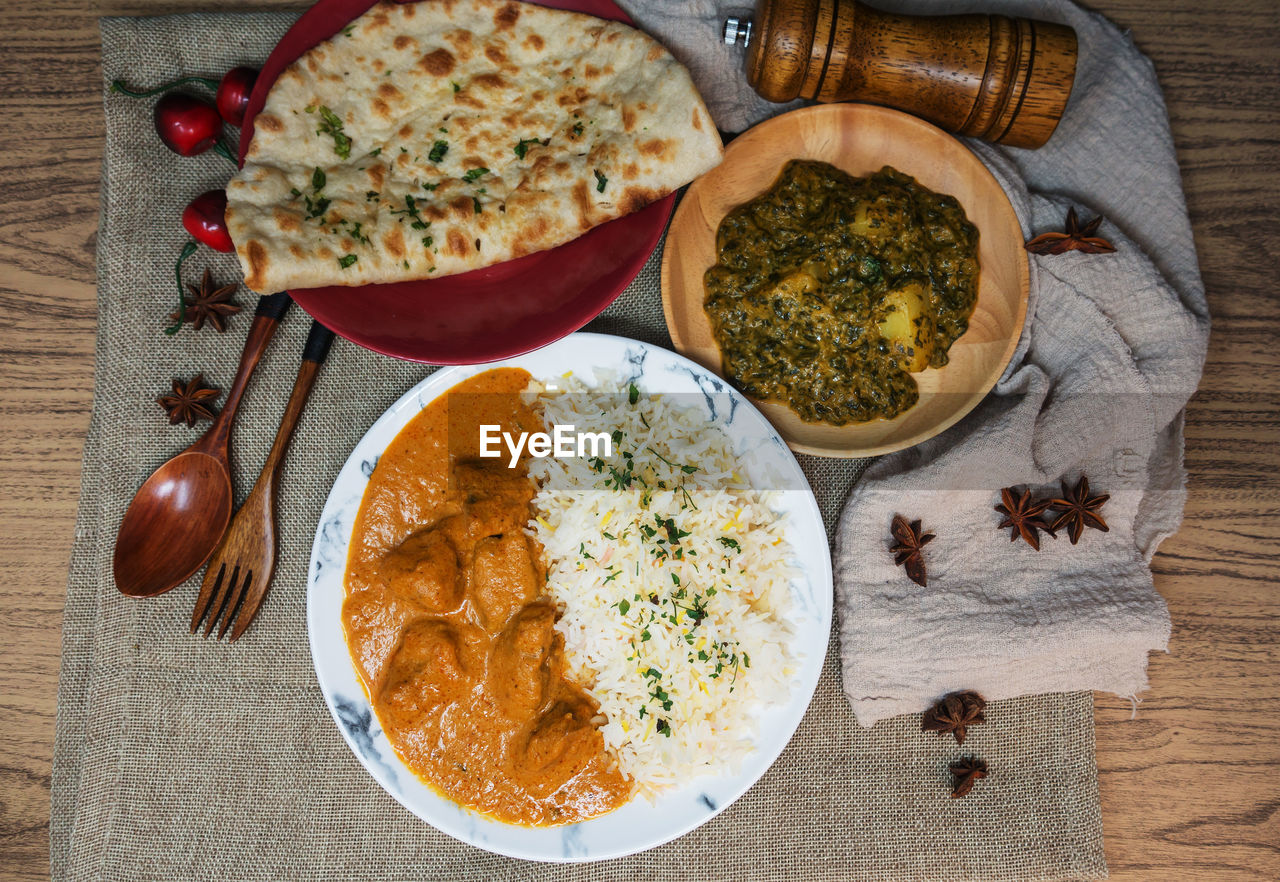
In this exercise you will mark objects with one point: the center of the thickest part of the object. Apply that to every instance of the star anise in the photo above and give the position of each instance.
(1079, 510)
(955, 713)
(966, 772)
(908, 552)
(1022, 514)
(189, 401)
(1076, 238)
(209, 303)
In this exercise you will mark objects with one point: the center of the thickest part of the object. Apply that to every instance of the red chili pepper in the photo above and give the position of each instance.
(233, 93)
(205, 219)
(189, 126)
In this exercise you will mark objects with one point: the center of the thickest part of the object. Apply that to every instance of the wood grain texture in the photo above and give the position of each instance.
(1190, 789)
(990, 76)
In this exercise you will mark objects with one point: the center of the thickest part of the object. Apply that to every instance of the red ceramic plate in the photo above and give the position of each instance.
(487, 314)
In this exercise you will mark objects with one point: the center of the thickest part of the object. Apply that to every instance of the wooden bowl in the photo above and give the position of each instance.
(859, 138)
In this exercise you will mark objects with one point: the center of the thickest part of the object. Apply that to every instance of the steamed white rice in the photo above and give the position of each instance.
(682, 642)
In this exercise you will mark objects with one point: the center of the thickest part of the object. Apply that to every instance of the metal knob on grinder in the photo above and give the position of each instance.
(1002, 79)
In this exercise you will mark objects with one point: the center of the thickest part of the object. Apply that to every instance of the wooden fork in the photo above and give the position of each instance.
(240, 569)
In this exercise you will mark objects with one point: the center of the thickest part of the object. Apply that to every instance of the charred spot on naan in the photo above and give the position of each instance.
(456, 243)
(584, 205)
(573, 97)
(394, 242)
(293, 76)
(473, 164)
(377, 174)
(287, 221)
(531, 237)
(462, 43)
(403, 42)
(268, 122)
(255, 256)
(656, 147)
(489, 81)
(438, 63)
(603, 155)
(462, 206)
(538, 173)
(635, 198)
(534, 43)
(497, 53)
(506, 17)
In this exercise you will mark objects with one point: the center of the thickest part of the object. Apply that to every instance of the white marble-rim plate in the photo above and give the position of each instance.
(638, 825)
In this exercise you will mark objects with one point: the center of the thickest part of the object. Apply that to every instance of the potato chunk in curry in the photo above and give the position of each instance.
(908, 326)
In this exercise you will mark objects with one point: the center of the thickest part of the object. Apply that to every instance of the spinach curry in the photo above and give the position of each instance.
(829, 290)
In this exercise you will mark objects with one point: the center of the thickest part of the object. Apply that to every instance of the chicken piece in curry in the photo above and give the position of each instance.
(450, 629)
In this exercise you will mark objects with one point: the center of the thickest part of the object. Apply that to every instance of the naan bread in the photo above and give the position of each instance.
(436, 137)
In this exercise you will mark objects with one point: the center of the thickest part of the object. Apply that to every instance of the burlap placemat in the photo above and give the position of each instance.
(182, 758)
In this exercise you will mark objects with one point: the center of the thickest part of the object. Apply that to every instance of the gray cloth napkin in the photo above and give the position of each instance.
(1111, 351)
(693, 31)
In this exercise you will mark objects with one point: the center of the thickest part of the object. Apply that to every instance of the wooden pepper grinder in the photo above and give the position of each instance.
(989, 76)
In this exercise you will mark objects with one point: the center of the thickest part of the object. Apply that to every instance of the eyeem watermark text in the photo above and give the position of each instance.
(562, 442)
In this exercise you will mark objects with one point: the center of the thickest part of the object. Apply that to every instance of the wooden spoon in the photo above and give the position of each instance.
(179, 515)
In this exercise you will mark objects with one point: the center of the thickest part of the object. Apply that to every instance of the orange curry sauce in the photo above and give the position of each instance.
(450, 629)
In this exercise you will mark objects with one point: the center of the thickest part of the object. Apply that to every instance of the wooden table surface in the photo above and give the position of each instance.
(1190, 789)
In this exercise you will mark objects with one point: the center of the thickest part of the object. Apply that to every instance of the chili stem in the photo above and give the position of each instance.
(187, 250)
(222, 150)
(119, 86)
